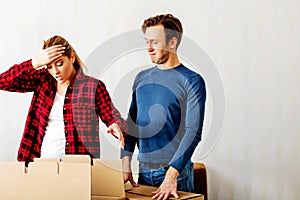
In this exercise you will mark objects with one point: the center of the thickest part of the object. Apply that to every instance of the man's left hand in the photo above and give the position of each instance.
(168, 186)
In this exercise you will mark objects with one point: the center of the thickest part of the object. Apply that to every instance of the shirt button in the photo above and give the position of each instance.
(66, 131)
(67, 143)
(64, 108)
(67, 97)
(65, 121)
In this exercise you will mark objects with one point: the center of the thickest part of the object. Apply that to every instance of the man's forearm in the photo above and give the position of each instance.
(172, 173)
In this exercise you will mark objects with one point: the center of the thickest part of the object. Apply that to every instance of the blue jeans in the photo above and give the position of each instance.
(154, 174)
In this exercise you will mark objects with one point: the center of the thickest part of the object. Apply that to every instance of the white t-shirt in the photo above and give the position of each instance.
(54, 142)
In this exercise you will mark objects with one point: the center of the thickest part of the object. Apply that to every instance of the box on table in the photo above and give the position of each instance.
(73, 178)
(144, 192)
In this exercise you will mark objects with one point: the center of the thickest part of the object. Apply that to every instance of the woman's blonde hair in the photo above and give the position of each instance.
(58, 40)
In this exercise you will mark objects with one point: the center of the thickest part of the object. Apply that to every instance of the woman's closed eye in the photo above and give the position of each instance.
(57, 64)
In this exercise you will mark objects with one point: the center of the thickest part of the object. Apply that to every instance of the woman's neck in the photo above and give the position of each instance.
(62, 88)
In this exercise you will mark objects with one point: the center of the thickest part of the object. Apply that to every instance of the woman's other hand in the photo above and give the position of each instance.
(115, 130)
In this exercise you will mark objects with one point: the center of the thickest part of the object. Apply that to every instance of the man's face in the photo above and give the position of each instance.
(158, 49)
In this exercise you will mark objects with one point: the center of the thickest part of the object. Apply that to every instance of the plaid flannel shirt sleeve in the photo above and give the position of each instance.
(108, 113)
(19, 78)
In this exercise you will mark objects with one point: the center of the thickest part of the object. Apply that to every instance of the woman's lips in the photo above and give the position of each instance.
(58, 78)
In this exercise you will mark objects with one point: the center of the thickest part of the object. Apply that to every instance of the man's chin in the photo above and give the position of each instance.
(154, 61)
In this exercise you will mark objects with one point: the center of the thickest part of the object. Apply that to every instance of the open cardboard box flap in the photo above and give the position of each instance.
(74, 178)
(107, 180)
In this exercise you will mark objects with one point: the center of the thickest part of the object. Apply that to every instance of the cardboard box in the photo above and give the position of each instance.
(144, 192)
(107, 180)
(45, 180)
(72, 179)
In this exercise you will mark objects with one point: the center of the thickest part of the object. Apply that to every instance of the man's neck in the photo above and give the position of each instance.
(172, 62)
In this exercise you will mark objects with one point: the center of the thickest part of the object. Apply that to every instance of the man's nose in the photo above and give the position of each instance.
(150, 48)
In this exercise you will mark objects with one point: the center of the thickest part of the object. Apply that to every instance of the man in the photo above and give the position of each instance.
(166, 113)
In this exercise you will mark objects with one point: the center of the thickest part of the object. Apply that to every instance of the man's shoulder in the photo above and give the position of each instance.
(145, 72)
(188, 73)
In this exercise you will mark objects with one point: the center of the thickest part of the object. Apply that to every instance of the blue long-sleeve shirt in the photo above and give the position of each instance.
(166, 116)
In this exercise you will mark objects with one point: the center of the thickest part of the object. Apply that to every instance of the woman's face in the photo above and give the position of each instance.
(62, 69)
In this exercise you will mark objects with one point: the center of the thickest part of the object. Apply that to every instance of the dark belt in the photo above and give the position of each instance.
(155, 165)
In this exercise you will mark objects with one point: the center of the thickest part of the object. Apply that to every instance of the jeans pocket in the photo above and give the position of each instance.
(185, 181)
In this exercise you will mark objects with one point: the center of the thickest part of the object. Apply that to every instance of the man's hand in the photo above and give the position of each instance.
(127, 173)
(168, 186)
(47, 55)
(115, 130)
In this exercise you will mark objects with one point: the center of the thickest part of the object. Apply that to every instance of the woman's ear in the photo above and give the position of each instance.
(73, 58)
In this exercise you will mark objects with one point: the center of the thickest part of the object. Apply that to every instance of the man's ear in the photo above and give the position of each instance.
(173, 42)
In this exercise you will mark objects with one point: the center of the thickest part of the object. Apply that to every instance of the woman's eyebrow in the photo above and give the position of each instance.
(59, 60)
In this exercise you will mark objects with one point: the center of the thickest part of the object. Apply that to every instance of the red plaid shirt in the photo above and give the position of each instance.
(86, 100)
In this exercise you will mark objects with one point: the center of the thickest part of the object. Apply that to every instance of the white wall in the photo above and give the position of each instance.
(254, 46)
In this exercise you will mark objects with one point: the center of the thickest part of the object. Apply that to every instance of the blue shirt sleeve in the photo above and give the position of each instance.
(130, 138)
(196, 96)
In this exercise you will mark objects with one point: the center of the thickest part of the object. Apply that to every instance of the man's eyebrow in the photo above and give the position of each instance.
(150, 40)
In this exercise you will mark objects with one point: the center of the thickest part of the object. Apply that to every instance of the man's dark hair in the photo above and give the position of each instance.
(171, 24)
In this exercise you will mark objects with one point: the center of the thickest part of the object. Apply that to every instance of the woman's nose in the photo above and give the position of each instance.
(55, 70)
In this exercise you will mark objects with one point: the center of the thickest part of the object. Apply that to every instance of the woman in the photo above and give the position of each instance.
(66, 105)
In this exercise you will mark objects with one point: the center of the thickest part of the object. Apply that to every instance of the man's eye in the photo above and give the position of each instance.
(49, 67)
